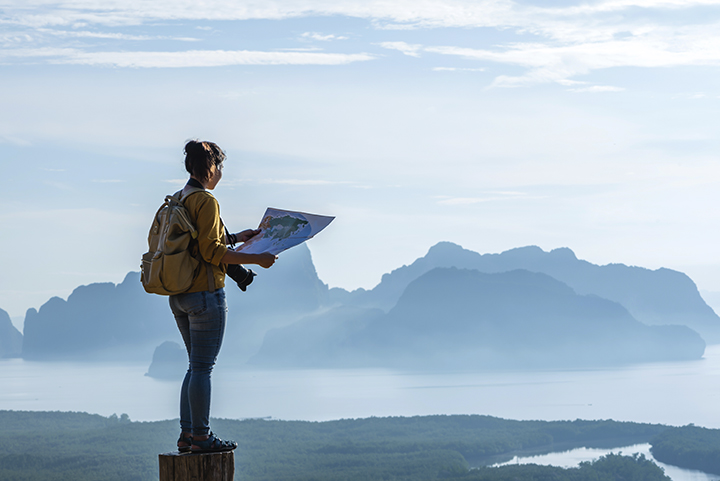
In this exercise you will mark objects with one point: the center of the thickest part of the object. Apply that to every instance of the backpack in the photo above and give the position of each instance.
(168, 267)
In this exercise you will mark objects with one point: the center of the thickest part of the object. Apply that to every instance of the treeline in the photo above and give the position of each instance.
(612, 467)
(690, 447)
(52, 446)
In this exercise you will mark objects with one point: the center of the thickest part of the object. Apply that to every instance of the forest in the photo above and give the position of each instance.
(689, 447)
(52, 446)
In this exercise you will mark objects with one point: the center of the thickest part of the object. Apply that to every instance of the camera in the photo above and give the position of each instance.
(239, 274)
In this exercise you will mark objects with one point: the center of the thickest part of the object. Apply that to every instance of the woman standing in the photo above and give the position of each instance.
(201, 311)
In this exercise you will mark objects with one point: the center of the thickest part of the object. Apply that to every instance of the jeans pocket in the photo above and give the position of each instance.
(196, 303)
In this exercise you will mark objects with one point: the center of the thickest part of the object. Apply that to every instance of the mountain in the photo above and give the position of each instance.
(10, 338)
(320, 340)
(122, 321)
(451, 318)
(169, 362)
(98, 320)
(655, 297)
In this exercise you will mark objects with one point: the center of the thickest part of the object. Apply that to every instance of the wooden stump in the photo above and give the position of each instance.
(177, 466)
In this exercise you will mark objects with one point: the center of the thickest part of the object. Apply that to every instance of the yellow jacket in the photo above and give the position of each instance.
(204, 211)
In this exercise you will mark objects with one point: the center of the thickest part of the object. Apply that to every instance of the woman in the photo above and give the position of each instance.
(201, 311)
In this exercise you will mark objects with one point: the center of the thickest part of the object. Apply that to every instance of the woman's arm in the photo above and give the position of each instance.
(263, 260)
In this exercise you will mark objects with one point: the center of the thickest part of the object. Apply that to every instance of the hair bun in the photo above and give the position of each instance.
(194, 147)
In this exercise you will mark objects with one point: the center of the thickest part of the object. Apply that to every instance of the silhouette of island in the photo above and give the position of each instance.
(655, 297)
(451, 308)
(169, 361)
(123, 322)
(453, 318)
(10, 338)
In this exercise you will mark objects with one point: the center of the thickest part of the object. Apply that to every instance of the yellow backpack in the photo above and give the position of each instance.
(168, 267)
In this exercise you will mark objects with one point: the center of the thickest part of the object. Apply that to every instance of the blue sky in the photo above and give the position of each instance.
(495, 124)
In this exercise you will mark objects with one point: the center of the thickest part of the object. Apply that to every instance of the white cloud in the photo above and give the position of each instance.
(567, 41)
(412, 50)
(419, 13)
(189, 58)
(321, 37)
(134, 12)
(87, 34)
(558, 63)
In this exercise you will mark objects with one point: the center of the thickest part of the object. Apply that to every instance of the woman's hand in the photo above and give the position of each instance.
(246, 235)
(266, 259)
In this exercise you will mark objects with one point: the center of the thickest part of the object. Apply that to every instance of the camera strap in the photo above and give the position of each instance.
(230, 237)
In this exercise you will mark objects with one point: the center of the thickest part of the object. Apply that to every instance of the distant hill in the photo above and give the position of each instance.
(458, 318)
(122, 321)
(10, 338)
(289, 317)
(170, 361)
(98, 320)
(655, 297)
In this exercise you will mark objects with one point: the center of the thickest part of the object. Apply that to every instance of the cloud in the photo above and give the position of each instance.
(400, 13)
(136, 12)
(111, 36)
(557, 63)
(412, 50)
(189, 58)
(562, 42)
(322, 38)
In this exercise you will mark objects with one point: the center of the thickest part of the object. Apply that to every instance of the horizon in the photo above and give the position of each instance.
(492, 125)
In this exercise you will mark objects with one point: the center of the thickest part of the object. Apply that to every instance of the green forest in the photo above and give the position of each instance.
(51, 446)
(690, 447)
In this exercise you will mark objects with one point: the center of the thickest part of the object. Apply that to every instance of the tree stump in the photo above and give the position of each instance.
(177, 466)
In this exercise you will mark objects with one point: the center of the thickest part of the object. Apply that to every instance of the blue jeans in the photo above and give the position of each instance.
(201, 317)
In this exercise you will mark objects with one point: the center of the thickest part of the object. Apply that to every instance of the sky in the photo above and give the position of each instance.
(491, 124)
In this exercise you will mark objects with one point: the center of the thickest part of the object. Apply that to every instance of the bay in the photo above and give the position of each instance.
(667, 393)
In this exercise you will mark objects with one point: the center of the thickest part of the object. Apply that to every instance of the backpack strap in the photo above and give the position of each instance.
(211, 277)
(181, 198)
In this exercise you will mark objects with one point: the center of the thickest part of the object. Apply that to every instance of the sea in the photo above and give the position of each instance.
(674, 393)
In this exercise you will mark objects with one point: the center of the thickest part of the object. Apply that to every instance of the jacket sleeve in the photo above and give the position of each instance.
(211, 232)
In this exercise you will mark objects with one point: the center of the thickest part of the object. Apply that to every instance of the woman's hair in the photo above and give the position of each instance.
(201, 156)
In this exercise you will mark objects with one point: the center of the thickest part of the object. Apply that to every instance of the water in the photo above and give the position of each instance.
(573, 458)
(667, 393)
(670, 393)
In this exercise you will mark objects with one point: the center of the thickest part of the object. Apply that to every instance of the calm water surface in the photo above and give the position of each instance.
(666, 393)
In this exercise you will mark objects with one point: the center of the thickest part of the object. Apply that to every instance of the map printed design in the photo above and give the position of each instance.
(283, 229)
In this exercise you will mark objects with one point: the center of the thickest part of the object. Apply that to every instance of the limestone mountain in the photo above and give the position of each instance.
(655, 297)
(10, 338)
(451, 318)
(122, 321)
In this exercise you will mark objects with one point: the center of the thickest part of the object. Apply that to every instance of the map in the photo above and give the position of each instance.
(283, 229)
